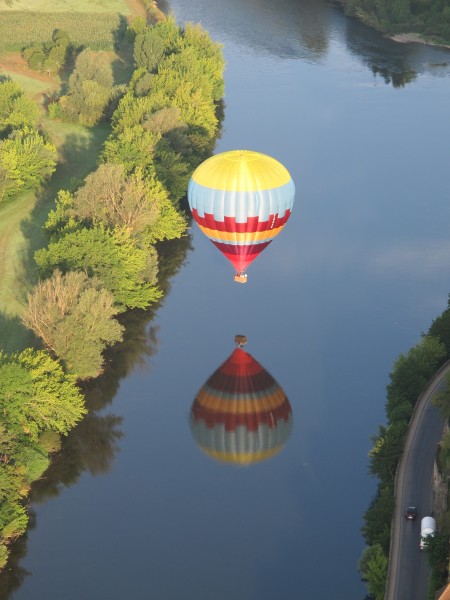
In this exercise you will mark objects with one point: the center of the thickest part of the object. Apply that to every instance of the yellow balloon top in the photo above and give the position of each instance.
(241, 171)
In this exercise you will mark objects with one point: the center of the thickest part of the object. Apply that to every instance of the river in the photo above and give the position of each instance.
(138, 506)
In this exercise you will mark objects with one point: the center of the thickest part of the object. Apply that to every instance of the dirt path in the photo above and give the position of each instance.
(15, 63)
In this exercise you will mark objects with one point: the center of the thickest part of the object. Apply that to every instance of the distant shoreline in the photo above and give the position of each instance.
(414, 38)
(401, 38)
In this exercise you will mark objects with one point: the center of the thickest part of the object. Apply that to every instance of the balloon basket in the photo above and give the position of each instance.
(240, 340)
(241, 278)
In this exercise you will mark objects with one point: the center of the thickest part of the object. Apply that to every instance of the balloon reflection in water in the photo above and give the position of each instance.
(241, 415)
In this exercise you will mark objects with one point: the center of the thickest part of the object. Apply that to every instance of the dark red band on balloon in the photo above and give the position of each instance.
(229, 224)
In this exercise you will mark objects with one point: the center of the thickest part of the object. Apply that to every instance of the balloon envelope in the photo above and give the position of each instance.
(241, 200)
(241, 415)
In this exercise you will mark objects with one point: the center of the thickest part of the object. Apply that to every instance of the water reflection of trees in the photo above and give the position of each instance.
(94, 443)
(396, 78)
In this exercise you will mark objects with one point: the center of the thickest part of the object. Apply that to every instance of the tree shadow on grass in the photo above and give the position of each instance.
(14, 336)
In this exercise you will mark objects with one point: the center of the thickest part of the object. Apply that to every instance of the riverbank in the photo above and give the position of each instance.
(414, 38)
(401, 38)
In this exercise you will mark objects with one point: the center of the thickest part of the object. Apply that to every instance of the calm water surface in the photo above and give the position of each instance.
(359, 272)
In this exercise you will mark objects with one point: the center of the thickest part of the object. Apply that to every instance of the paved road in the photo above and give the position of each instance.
(408, 567)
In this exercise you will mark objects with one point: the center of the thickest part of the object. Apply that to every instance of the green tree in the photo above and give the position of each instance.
(167, 123)
(387, 450)
(137, 25)
(411, 372)
(148, 49)
(437, 549)
(90, 89)
(7, 443)
(74, 317)
(134, 147)
(378, 518)
(26, 161)
(172, 171)
(13, 521)
(36, 395)
(440, 328)
(4, 553)
(16, 110)
(140, 205)
(109, 197)
(373, 567)
(127, 271)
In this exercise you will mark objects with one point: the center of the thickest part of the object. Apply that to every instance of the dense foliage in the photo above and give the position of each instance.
(91, 89)
(430, 18)
(38, 401)
(49, 56)
(108, 228)
(73, 315)
(27, 158)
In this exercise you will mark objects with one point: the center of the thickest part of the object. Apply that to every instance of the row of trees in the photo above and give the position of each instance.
(104, 240)
(409, 377)
(108, 229)
(27, 157)
(427, 17)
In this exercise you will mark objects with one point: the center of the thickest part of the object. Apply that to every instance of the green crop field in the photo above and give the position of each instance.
(19, 29)
(80, 6)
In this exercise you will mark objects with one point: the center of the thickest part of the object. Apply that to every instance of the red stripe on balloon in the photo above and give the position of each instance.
(229, 224)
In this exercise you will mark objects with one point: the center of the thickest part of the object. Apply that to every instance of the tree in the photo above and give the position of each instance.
(127, 271)
(377, 519)
(7, 443)
(109, 197)
(171, 170)
(16, 110)
(167, 122)
(373, 567)
(133, 148)
(74, 317)
(412, 372)
(90, 89)
(36, 395)
(387, 449)
(440, 328)
(148, 49)
(140, 205)
(436, 547)
(49, 56)
(26, 161)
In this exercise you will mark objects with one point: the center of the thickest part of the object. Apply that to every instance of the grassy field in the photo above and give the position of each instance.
(80, 6)
(35, 85)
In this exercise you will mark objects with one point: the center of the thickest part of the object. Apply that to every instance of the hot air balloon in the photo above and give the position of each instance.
(241, 415)
(241, 200)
